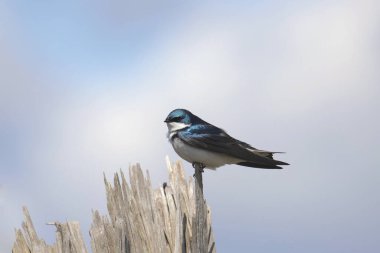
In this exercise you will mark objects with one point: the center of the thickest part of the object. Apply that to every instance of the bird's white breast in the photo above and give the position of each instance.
(210, 159)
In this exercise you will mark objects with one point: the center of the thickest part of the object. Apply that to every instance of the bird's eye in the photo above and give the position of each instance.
(176, 119)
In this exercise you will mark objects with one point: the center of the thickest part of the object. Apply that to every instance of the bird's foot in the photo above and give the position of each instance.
(199, 166)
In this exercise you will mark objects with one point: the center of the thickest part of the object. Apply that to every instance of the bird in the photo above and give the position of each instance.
(203, 144)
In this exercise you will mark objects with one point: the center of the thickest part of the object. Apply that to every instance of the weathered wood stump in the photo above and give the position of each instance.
(172, 218)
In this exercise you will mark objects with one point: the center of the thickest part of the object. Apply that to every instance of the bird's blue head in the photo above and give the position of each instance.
(180, 116)
(183, 116)
(182, 119)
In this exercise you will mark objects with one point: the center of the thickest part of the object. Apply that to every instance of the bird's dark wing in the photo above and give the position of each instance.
(214, 139)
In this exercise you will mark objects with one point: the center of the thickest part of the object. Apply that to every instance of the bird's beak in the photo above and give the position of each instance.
(166, 120)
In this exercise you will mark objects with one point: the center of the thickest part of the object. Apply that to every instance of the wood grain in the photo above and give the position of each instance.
(172, 218)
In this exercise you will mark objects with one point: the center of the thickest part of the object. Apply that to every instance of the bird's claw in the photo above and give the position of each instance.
(199, 166)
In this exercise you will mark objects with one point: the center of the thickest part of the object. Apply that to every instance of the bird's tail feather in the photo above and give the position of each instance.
(269, 163)
(267, 154)
(261, 166)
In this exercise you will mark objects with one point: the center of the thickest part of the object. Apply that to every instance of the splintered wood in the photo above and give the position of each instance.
(172, 218)
(68, 238)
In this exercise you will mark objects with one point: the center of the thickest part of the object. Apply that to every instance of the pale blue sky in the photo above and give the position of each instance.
(85, 87)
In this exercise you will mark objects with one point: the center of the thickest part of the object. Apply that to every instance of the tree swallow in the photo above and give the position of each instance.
(200, 142)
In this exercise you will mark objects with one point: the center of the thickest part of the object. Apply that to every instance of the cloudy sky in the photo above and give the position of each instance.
(85, 87)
